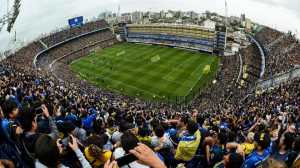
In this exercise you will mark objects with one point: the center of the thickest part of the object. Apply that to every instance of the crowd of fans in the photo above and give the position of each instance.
(49, 123)
(282, 51)
(267, 35)
(222, 89)
(293, 54)
(251, 65)
(25, 55)
(64, 34)
(38, 119)
(46, 58)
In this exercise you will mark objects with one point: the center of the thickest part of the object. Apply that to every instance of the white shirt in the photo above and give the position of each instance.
(119, 152)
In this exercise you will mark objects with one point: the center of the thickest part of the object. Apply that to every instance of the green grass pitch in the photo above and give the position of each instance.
(148, 71)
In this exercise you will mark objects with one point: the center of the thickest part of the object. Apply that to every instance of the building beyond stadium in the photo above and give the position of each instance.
(185, 36)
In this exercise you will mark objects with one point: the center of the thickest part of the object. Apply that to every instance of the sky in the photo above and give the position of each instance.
(43, 16)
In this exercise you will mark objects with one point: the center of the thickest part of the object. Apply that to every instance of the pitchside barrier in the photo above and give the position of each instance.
(278, 79)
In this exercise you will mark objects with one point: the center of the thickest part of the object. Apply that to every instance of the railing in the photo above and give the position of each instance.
(278, 79)
(262, 53)
(241, 68)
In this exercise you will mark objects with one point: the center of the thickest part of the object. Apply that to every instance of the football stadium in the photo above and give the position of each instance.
(167, 89)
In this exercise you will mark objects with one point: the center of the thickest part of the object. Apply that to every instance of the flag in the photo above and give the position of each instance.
(188, 146)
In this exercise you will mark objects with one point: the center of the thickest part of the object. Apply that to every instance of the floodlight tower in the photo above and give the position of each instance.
(226, 22)
(118, 14)
(226, 14)
(11, 15)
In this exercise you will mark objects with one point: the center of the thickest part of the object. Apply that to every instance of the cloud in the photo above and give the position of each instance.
(43, 16)
(288, 4)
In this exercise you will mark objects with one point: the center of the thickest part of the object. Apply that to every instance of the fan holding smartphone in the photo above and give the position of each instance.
(122, 155)
(143, 153)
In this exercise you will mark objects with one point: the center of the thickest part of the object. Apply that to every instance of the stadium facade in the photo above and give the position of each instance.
(177, 35)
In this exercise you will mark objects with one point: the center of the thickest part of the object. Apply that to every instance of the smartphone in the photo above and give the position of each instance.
(125, 160)
(64, 142)
(70, 139)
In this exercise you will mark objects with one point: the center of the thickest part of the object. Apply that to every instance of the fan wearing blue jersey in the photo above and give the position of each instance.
(262, 152)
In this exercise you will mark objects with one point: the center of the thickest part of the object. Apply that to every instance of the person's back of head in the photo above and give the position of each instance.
(273, 163)
(98, 126)
(192, 127)
(9, 108)
(129, 141)
(184, 119)
(263, 141)
(124, 126)
(200, 119)
(98, 140)
(155, 123)
(159, 131)
(27, 120)
(95, 144)
(143, 132)
(288, 140)
(222, 137)
(65, 128)
(46, 151)
(235, 160)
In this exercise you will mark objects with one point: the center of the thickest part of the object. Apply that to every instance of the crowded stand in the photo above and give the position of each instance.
(60, 36)
(281, 51)
(46, 122)
(251, 65)
(294, 55)
(47, 57)
(280, 60)
(267, 35)
(25, 55)
(220, 92)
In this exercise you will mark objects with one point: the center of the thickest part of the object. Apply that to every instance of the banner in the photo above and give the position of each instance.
(76, 22)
